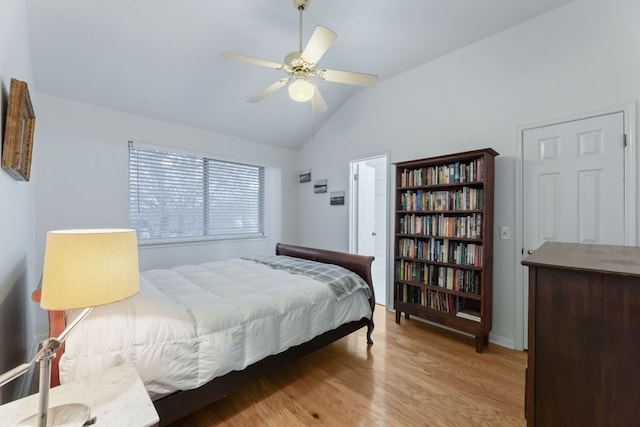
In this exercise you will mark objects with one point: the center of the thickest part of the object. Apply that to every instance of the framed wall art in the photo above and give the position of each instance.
(305, 175)
(18, 132)
(320, 186)
(336, 198)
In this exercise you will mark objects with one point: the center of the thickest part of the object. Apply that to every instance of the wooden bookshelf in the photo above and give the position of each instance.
(444, 241)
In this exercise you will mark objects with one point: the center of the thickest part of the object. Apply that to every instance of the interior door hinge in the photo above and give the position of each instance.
(355, 176)
(624, 139)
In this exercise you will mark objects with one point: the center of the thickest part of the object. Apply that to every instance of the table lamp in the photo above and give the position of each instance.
(82, 269)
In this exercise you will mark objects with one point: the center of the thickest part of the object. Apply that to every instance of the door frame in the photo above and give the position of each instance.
(353, 215)
(630, 195)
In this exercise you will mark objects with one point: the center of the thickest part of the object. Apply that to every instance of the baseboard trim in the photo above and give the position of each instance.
(502, 341)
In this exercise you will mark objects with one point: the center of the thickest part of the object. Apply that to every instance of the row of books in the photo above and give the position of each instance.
(469, 314)
(428, 298)
(466, 198)
(438, 301)
(439, 225)
(458, 172)
(441, 251)
(456, 279)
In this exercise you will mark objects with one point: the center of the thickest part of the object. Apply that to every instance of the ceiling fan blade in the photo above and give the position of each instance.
(348, 77)
(320, 41)
(268, 91)
(251, 60)
(317, 102)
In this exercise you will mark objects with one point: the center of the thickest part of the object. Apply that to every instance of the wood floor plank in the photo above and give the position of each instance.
(415, 374)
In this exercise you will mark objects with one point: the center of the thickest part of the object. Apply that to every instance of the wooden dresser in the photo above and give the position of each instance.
(584, 336)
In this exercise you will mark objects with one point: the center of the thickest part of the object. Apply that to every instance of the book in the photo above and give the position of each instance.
(469, 315)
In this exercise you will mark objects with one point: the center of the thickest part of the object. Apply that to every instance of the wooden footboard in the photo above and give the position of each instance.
(179, 404)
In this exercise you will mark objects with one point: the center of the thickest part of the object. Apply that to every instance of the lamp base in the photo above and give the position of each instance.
(70, 415)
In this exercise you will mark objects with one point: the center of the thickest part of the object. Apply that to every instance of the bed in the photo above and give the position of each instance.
(203, 352)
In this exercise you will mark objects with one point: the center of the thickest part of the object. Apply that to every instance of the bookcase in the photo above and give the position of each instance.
(444, 241)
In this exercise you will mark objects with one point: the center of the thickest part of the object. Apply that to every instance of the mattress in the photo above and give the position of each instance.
(190, 324)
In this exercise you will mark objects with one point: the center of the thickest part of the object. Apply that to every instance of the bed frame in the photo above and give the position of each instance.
(182, 403)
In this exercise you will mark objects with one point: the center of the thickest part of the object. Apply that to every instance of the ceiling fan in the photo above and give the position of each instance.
(301, 67)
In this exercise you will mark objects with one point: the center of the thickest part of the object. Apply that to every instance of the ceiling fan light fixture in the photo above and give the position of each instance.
(301, 65)
(301, 90)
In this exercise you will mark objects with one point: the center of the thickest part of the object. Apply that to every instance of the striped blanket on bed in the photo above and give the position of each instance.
(340, 280)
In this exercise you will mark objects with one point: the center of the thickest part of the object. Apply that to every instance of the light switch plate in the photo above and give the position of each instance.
(504, 233)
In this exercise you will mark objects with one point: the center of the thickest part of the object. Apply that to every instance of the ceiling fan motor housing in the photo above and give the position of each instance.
(296, 66)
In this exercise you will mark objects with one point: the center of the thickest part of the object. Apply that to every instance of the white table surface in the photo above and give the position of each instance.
(116, 397)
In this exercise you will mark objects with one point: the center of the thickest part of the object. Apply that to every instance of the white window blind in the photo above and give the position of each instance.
(175, 195)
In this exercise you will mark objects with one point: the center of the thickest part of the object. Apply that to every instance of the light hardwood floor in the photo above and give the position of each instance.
(413, 375)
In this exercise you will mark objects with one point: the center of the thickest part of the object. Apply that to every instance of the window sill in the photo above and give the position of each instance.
(154, 243)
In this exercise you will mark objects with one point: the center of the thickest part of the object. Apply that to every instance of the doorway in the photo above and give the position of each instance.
(368, 217)
(577, 184)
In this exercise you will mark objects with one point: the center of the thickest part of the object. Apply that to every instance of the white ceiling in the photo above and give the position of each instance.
(161, 58)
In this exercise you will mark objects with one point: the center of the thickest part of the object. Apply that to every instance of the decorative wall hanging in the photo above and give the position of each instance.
(18, 132)
(305, 175)
(337, 198)
(320, 186)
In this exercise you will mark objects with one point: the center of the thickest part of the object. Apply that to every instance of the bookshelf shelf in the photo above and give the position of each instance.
(444, 241)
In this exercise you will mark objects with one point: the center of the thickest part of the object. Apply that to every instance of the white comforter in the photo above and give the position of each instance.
(190, 324)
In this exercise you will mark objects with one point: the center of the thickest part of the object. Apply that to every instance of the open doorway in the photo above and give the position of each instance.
(368, 217)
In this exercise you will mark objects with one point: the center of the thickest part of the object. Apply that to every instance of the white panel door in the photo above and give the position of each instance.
(366, 209)
(573, 184)
(368, 218)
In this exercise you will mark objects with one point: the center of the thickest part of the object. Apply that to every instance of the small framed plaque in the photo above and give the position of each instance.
(18, 132)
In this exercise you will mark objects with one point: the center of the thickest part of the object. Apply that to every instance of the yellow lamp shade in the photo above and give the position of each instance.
(86, 268)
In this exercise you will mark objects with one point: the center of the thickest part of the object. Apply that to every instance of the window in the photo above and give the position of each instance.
(180, 196)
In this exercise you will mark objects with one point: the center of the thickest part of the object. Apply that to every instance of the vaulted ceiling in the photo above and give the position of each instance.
(162, 58)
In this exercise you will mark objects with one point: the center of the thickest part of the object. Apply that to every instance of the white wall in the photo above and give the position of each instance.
(17, 279)
(83, 170)
(578, 59)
